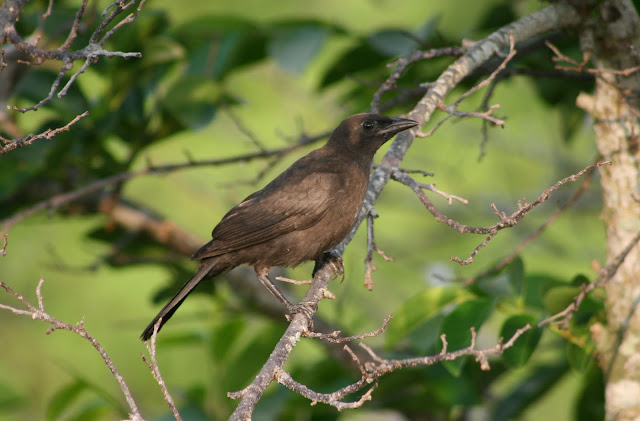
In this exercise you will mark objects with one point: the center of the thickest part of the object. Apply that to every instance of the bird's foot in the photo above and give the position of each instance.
(330, 259)
(307, 308)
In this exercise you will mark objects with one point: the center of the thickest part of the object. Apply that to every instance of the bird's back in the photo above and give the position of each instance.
(303, 212)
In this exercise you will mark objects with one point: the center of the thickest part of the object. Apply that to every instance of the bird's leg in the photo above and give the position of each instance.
(305, 307)
(329, 258)
(263, 276)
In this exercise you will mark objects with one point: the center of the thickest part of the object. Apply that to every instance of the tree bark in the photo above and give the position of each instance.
(612, 40)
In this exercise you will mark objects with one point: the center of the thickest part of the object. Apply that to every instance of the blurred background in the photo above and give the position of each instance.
(225, 79)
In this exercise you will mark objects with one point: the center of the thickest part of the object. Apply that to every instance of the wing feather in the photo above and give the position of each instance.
(279, 208)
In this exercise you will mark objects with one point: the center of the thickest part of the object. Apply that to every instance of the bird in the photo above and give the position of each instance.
(301, 214)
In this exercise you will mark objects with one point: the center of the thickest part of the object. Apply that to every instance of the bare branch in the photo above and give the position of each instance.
(492, 76)
(335, 337)
(66, 66)
(332, 399)
(79, 329)
(535, 234)
(506, 221)
(10, 13)
(452, 109)
(155, 370)
(4, 245)
(73, 33)
(608, 272)
(47, 134)
(403, 63)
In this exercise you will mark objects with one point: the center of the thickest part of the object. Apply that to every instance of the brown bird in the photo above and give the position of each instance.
(302, 213)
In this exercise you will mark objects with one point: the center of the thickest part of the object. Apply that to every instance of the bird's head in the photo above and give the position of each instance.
(363, 134)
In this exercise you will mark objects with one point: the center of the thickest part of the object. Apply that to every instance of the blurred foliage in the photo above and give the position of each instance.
(183, 83)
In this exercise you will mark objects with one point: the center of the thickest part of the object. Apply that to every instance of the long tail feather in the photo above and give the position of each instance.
(171, 307)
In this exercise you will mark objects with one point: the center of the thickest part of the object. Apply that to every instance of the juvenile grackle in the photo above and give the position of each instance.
(302, 213)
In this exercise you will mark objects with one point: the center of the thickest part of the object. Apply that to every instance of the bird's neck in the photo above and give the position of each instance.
(361, 158)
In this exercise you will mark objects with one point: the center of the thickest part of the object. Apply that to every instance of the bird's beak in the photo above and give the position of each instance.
(397, 125)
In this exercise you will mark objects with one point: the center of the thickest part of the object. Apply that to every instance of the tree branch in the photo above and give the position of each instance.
(39, 313)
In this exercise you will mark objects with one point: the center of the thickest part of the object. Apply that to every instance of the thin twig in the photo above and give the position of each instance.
(403, 63)
(335, 337)
(608, 272)
(155, 370)
(47, 134)
(38, 313)
(535, 234)
(452, 109)
(506, 221)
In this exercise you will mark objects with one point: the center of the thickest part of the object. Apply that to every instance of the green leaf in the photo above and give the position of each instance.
(515, 272)
(393, 42)
(558, 298)
(590, 404)
(357, 59)
(426, 336)
(580, 280)
(495, 285)
(193, 101)
(581, 358)
(536, 385)
(519, 353)
(64, 398)
(535, 286)
(293, 48)
(418, 309)
(162, 49)
(456, 326)
(506, 283)
(206, 27)
(429, 29)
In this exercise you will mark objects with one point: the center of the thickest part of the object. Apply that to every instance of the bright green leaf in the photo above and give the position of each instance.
(558, 298)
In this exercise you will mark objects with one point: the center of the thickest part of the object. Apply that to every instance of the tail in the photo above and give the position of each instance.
(171, 307)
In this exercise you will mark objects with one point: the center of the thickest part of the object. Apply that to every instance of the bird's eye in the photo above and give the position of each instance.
(368, 125)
